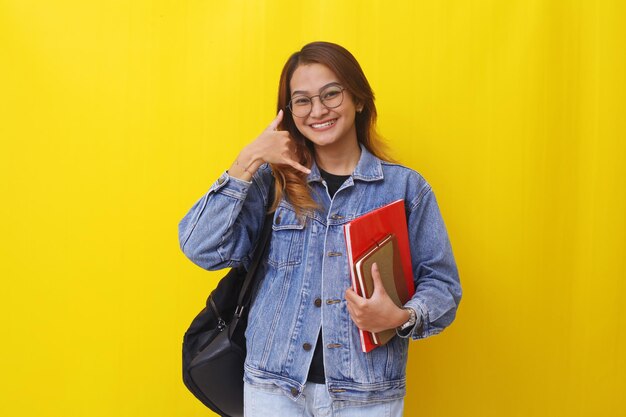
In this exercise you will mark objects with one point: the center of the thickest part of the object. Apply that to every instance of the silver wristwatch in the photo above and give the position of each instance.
(411, 321)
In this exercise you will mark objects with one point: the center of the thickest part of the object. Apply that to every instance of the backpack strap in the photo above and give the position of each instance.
(259, 255)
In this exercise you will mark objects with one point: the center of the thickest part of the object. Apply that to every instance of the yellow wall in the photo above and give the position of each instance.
(116, 116)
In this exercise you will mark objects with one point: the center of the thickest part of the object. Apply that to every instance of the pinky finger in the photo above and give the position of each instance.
(298, 166)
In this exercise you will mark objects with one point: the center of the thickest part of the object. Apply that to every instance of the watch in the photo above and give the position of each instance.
(411, 321)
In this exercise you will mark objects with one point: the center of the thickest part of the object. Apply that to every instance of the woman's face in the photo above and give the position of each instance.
(323, 126)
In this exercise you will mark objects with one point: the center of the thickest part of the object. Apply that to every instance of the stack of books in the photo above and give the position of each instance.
(381, 237)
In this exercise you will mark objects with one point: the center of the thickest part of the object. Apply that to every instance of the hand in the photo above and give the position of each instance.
(378, 312)
(272, 146)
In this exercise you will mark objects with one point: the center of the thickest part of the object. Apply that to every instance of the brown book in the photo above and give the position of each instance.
(386, 255)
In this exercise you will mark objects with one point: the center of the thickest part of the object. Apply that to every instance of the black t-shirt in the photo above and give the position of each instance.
(316, 371)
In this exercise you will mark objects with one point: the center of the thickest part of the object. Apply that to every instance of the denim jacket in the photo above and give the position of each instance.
(301, 286)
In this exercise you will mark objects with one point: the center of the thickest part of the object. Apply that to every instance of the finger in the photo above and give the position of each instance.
(378, 282)
(355, 300)
(276, 121)
(298, 166)
(351, 296)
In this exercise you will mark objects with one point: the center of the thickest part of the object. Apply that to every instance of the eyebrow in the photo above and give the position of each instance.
(306, 92)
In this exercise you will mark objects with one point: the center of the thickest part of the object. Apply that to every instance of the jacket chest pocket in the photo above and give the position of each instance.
(287, 243)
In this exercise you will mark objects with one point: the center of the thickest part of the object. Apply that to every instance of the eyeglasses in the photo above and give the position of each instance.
(330, 97)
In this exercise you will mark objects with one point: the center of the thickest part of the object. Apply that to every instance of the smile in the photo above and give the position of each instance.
(324, 124)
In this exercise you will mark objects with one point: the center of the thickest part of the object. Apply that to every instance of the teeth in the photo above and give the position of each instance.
(320, 125)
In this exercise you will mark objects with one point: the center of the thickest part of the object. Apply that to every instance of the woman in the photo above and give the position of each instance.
(303, 347)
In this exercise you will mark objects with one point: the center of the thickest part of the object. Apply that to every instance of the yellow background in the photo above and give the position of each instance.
(117, 115)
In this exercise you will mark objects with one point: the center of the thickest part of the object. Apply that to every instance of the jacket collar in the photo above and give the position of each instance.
(369, 168)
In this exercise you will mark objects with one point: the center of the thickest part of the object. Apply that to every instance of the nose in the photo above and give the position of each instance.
(317, 108)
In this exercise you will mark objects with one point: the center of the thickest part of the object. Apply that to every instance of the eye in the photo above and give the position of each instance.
(300, 101)
(331, 94)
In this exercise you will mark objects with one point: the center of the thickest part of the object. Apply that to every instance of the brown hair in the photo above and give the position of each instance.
(290, 181)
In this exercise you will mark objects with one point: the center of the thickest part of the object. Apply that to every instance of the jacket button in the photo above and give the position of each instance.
(294, 392)
(318, 302)
(220, 180)
(306, 346)
(278, 219)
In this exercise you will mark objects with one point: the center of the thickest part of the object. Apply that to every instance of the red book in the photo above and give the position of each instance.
(363, 235)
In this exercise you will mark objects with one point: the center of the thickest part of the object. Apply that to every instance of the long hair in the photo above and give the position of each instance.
(291, 182)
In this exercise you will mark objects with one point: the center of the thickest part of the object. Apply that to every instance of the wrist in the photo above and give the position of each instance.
(410, 321)
(246, 157)
(244, 166)
(402, 317)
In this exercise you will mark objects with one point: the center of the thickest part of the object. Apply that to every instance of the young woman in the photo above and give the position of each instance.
(303, 348)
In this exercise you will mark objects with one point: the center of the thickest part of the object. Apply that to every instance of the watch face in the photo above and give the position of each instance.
(411, 321)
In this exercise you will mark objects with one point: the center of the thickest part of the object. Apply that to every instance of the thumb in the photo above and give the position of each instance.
(379, 288)
(276, 121)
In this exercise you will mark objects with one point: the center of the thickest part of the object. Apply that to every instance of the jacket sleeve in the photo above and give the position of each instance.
(222, 227)
(437, 285)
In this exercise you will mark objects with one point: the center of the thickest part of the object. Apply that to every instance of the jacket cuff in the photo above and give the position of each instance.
(422, 328)
(231, 186)
(409, 330)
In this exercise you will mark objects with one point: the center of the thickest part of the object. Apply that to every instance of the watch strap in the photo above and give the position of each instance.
(412, 319)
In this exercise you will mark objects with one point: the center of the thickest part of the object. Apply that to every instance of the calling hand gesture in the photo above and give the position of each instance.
(271, 146)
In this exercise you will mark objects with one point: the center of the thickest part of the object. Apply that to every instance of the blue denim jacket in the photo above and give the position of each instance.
(301, 286)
